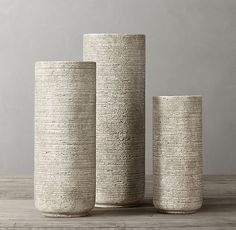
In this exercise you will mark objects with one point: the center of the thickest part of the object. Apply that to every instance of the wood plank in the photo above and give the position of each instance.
(220, 186)
(17, 187)
(218, 212)
(20, 188)
(22, 214)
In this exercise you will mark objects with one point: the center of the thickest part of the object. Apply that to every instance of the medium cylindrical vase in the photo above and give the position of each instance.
(120, 123)
(177, 153)
(65, 143)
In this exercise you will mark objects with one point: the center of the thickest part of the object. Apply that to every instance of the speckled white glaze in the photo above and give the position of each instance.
(65, 120)
(120, 123)
(177, 153)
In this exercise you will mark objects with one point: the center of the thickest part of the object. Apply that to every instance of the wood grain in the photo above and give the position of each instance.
(218, 212)
(16, 188)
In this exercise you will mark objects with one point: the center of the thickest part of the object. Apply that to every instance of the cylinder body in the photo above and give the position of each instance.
(177, 153)
(65, 143)
(120, 123)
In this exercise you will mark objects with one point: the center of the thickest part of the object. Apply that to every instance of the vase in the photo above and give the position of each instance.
(177, 153)
(65, 142)
(120, 123)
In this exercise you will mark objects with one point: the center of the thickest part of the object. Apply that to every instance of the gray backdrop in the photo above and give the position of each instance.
(191, 49)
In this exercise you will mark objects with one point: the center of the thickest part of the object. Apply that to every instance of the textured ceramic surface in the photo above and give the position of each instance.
(177, 153)
(65, 121)
(120, 124)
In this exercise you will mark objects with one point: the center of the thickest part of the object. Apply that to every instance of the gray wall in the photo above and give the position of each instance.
(191, 49)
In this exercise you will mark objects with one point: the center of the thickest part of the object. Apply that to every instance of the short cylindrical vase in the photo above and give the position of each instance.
(177, 153)
(65, 142)
(120, 124)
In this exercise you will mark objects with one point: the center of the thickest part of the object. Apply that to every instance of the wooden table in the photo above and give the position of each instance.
(218, 212)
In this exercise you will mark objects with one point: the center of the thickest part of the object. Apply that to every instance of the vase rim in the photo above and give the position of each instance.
(179, 96)
(65, 64)
(115, 34)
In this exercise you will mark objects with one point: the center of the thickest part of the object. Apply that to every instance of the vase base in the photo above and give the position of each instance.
(176, 212)
(64, 215)
(98, 205)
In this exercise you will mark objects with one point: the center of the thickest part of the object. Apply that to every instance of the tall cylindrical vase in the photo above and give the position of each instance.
(177, 153)
(65, 144)
(120, 124)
